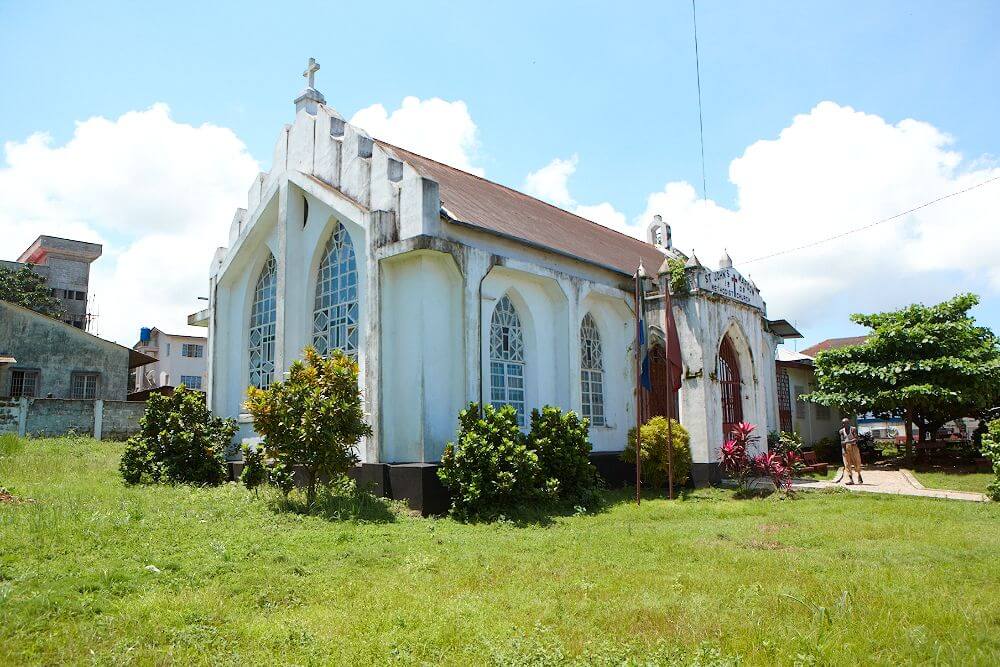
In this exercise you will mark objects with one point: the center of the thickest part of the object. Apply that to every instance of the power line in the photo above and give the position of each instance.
(701, 123)
(871, 224)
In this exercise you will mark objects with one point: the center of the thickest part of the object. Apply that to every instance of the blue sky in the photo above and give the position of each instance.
(611, 83)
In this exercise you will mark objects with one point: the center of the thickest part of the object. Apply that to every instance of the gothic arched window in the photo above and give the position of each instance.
(335, 318)
(731, 385)
(262, 325)
(507, 358)
(591, 371)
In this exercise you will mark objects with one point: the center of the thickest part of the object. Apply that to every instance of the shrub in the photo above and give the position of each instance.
(560, 441)
(990, 447)
(489, 469)
(655, 452)
(734, 457)
(178, 441)
(258, 469)
(789, 448)
(776, 467)
(827, 449)
(314, 419)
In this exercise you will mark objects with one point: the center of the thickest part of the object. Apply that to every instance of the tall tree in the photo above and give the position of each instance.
(26, 288)
(926, 364)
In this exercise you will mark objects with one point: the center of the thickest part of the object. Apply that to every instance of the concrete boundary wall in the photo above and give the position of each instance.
(46, 417)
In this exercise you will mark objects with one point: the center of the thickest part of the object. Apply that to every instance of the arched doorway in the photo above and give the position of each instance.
(729, 381)
(661, 404)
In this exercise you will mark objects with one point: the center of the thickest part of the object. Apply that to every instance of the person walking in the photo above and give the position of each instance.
(849, 448)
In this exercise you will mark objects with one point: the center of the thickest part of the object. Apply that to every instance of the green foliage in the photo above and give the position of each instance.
(26, 288)
(314, 419)
(991, 449)
(655, 452)
(178, 441)
(254, 471)
(258, 470)
(561, 442)
(489, 469)
(678, 280)
(827, 449)
(239, 579)
(931, 363)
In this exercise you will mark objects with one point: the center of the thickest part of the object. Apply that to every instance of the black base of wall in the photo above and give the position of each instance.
(419, 485)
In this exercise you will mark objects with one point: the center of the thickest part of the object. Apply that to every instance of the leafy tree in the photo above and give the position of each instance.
(178, 441)
(26, 288)
(926, 364)
(314, 419)
(991, 449)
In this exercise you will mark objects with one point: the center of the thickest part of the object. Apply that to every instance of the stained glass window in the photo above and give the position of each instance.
(335, 317)
(507, 358)
(591, 371)
(262, 325)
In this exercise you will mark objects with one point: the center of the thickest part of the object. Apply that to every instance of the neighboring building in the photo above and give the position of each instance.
(65, 265)
(448, 288)
(796, 377)
(179, 359)
(55, 360)
(833, 344)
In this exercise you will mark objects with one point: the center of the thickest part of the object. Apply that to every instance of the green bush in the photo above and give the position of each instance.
(258, 469)
(561, 442)
(489, 469)
(654, 452)
(827, 449)
(178, 441)
(990, 447)
(314, 419)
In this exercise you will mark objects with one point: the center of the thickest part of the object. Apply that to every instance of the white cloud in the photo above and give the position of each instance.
(441, 130)
(832, 170)
(157, 193)
(551, 183)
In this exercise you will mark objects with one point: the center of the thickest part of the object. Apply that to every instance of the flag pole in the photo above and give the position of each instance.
(638, 385)
(668, 306)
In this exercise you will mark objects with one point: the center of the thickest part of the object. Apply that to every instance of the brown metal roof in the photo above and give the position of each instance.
(482, 204)
(833, 343)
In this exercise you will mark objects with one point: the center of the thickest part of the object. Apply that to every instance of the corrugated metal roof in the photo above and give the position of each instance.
(492, 207)
(833, 343)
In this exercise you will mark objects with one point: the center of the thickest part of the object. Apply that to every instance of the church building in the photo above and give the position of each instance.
(448, 288)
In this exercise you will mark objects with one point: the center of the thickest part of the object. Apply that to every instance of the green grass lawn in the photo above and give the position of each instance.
(93, 571)
(955, 481)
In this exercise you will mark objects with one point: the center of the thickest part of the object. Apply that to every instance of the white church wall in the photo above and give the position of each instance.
(615, 324)
(702, 321)
(422, 355)
(541, 305)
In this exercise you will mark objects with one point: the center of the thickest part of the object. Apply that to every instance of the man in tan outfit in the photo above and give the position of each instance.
(849, 448)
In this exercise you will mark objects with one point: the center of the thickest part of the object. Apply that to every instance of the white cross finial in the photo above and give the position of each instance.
(310, 73)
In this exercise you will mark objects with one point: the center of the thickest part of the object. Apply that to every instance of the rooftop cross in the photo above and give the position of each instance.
(310, 73)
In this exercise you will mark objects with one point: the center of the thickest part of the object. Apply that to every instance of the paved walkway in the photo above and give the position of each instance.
(899, 482)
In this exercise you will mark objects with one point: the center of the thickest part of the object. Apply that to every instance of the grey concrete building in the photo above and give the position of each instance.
(43, 357)
(65, 265)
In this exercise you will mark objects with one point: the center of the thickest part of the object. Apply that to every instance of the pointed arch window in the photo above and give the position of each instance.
(335, 314)
(731, 386)
(262, 325)
(591, 371)
(507, 358)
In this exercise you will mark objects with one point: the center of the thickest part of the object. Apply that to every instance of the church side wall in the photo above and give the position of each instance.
(423, 360)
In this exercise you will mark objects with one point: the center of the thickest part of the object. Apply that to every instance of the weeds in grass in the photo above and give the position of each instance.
(341, 500)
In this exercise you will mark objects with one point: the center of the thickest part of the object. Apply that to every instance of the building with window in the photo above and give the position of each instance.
(448, 289)
(796, 377)
(65, 265)
(41, 357)
(179, 359)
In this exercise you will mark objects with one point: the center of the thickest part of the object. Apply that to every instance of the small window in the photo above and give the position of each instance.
(80, 296)
(192, 350)
(168, 349)
(823, 412)
(191, 381)
(305, 211)
(84, 385)
(23, 383)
